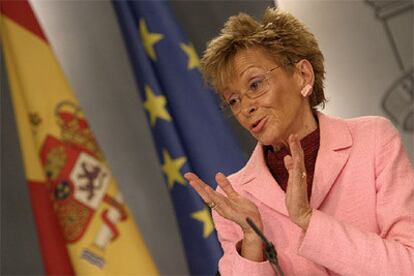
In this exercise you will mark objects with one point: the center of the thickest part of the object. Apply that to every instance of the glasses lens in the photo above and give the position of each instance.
(258, 87)
(226, 109)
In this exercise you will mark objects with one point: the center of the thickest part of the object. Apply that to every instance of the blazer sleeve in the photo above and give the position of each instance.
(232, 263)
(355, 252)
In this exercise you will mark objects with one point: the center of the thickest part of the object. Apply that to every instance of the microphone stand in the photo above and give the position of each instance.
(269, 250)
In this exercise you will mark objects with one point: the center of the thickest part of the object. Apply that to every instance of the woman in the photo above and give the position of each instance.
(334, 196)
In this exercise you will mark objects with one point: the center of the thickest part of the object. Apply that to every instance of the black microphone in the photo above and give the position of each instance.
(269, 250)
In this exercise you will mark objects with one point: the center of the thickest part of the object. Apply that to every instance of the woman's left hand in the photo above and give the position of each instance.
(297, 202)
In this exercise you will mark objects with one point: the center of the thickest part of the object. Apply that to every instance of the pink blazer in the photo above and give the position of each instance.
(363, 201)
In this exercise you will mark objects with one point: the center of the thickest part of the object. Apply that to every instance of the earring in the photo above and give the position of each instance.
(307, 90)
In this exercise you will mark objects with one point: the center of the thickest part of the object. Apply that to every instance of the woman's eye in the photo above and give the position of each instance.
(256, 85)
(233, 101)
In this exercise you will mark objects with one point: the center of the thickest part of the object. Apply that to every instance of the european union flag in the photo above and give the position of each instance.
(189, 130)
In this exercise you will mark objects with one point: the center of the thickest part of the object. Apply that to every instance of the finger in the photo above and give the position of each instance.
(198, 185)
(295, 163)
(297, 153)
(201, 191)
(295, 147)
(224, 184)
(288, 161)
(292, 180)
(219, 199)
(194, 178)
(191, 176)
(299, 148)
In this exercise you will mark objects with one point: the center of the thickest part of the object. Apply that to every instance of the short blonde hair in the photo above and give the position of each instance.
(280, 34)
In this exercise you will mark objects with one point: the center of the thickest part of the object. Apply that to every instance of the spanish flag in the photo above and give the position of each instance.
(84, 227)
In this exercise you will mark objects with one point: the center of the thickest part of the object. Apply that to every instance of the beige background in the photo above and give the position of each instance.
(360, 62)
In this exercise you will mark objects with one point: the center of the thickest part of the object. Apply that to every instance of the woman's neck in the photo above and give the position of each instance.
(307, 125)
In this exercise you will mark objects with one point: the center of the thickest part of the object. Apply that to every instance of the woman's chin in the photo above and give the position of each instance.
(267, 140)
(264, 141)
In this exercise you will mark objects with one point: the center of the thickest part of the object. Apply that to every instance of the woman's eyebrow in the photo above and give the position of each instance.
(247, 70)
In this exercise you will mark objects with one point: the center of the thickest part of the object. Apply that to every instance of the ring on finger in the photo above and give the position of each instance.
(303, 175)
(212, 205)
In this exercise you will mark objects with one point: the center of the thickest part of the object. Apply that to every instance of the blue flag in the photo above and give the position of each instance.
(189, 130)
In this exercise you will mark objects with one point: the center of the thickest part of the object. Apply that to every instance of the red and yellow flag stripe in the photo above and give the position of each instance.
(83, 225)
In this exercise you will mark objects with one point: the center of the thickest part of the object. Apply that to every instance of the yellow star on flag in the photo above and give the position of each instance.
(149, 39)
(193, 61)
(205, 217)
(155, 105)
(172, 167)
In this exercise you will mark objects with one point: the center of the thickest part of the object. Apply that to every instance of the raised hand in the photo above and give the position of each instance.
(233, 206)
(297, 202)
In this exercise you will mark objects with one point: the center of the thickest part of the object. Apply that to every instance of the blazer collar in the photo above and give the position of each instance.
(335, 143)
(334, 150)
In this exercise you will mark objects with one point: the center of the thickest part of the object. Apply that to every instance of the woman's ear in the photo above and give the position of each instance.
(305, 72)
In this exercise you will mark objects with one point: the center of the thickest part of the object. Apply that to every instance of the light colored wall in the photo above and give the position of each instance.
(360, 62)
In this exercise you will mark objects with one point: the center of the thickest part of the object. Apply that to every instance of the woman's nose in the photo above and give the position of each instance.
(248, 106)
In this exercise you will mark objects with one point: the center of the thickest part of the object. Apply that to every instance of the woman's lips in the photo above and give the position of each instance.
(259, 126)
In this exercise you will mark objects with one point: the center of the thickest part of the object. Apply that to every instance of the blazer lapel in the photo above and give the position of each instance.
(259, 182)
(334, 149)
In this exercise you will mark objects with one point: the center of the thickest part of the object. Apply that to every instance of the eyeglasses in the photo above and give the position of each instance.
(256, 88)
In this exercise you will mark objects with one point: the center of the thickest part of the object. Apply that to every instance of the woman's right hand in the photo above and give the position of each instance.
(233, 206)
